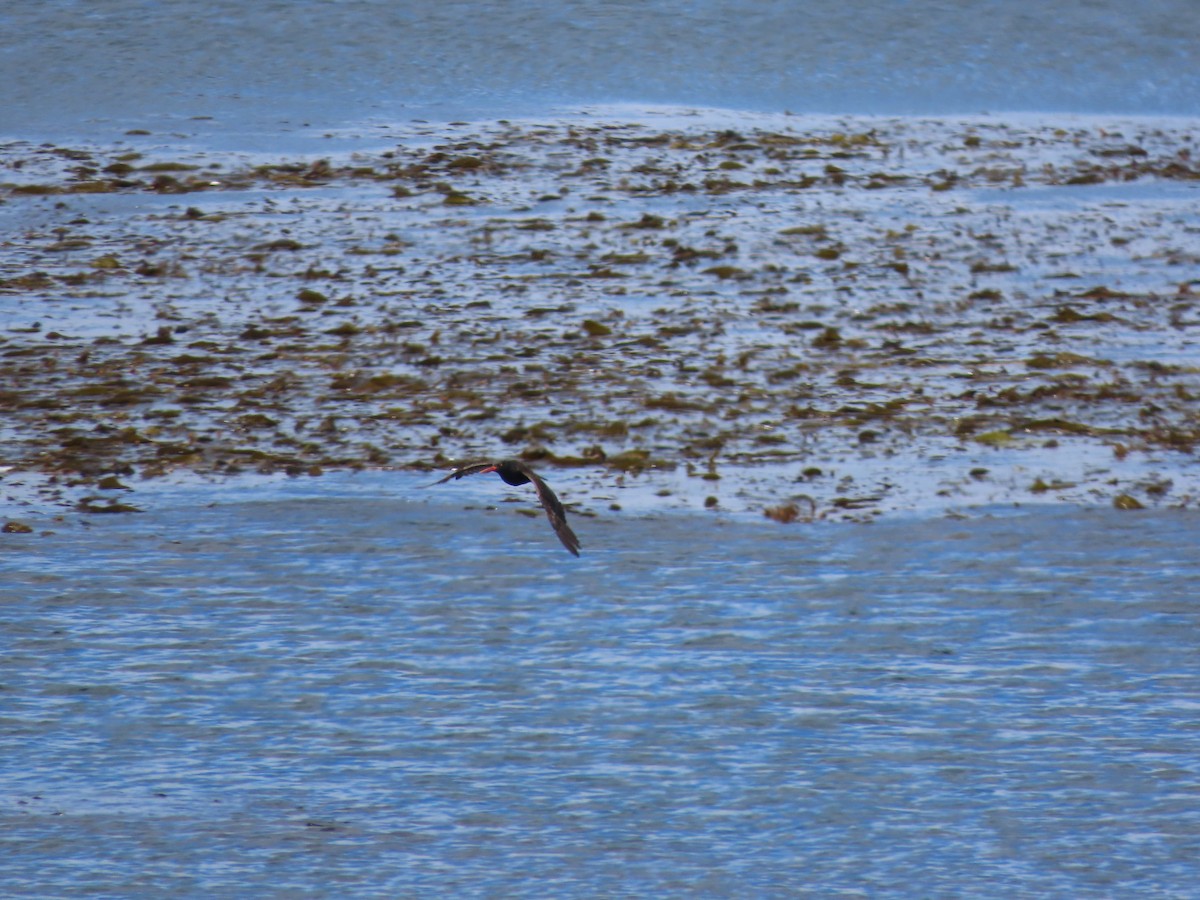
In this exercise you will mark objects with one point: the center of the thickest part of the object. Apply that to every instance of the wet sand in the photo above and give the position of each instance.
(794, 316)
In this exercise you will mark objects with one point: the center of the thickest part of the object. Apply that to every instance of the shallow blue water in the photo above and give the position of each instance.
(267, 74)
(325, 693)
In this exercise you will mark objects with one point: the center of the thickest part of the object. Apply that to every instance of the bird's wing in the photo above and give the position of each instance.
(463, 471)
(554, 511)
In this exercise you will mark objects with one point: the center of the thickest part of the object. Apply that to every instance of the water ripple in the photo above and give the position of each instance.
(295, 696)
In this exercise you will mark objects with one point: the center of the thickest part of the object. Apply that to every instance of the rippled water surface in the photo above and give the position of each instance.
(304, 691)
(269, 71)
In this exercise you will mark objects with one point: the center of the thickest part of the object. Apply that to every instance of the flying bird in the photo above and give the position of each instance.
(516, 473)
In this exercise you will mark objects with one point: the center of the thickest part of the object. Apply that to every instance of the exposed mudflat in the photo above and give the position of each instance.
(798, 316)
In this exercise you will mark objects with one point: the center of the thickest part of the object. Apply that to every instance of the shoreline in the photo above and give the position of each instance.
(374, 134)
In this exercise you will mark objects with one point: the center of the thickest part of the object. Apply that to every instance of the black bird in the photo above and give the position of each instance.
(516, 473)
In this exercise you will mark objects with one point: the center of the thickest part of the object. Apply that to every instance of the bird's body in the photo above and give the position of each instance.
(516, 473)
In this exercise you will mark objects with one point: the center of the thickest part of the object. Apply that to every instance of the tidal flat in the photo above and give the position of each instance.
(792, 316)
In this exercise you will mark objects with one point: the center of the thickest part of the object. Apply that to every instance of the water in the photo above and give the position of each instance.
(346, 686)
(271, 74)
(305, 691)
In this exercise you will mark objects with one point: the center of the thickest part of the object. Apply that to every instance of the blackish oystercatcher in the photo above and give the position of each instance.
(516, 473)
